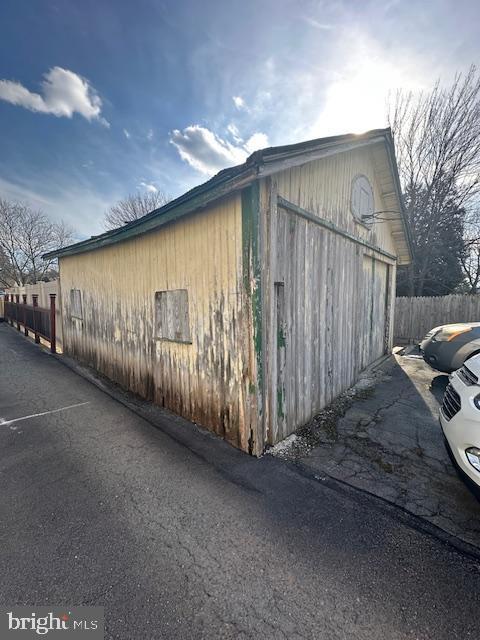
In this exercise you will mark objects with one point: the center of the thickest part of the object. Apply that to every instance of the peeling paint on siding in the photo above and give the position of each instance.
(336, 310)
(207, 381)
(252, 284)
(246, 376)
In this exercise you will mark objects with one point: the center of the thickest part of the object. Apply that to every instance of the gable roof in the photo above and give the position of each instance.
(261, 163)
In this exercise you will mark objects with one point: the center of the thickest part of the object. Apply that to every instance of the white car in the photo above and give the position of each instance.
(460, 420)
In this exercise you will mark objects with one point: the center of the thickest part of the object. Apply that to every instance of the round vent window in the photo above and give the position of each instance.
(362, 204)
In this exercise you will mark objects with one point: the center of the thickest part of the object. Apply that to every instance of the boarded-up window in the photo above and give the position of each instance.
(171, 315)
(362, 199)
(76, 310)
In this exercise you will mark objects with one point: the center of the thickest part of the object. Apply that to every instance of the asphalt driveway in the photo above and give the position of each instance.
(389, 443)
(178, 535)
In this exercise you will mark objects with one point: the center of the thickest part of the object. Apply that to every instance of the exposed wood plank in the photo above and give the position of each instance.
(336, 314)
(332, 227)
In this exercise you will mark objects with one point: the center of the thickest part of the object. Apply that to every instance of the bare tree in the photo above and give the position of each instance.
(437, 141)
(133, 207)
(25, 235)
(470, 259)
(471, 266)
(5, 270)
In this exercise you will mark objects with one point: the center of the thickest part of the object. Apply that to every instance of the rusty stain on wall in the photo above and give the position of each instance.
(336, 314)
(235, 374)
(207, 381)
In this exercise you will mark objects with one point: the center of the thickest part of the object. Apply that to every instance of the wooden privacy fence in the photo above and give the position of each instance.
(414, 317)
(35, 319)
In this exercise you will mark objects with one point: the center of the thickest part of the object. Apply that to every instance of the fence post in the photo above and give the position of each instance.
(25, 328)
(10, 316)
(53, 342)
(17, 308)
(35, 305)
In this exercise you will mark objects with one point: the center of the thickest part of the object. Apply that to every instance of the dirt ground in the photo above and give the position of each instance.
(383, 436)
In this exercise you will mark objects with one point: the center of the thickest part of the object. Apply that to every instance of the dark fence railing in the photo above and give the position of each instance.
(41, 322)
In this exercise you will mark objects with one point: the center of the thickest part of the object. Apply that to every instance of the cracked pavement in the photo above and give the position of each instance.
(178, 535)
(389, 443)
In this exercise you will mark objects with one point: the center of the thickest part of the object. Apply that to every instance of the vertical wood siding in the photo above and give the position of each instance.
(207, 381)
(283, 313)
(323, 187)
(333, 295)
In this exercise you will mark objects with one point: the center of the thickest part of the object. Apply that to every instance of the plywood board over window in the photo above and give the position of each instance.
(172, 320)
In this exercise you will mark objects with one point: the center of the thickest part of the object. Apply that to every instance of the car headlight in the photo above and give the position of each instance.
(449, 333)
(473, 456)
(476, 401)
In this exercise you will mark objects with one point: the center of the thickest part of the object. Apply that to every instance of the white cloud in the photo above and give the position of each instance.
(206, 152)
(126, 134)
(149, 187)
(150, 134)
(234, 132)
(256, 141)
(63, 93)
(323, 26)
(239, 102)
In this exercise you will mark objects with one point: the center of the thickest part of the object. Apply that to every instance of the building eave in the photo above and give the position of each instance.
(188, 203)
(398, 188)
(261, 163)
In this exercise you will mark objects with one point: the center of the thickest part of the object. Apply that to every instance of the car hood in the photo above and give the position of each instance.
(433, 332)
(456, 324)
(473, 364)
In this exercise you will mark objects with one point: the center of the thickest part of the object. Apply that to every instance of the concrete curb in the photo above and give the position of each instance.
(406, 517)
(205, 445)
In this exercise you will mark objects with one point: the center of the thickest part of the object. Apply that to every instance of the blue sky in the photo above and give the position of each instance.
(102, 98)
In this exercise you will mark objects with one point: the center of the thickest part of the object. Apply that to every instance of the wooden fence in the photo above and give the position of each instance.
(414, 317)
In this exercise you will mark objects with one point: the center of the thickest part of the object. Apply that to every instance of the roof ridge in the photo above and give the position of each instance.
(218, 185)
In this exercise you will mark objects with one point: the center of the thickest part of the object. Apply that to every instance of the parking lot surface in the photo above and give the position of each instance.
(389, 443)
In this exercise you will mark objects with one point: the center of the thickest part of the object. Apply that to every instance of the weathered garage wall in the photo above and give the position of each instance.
(210, 380)
(323, 187)
(327, 299)
(289, 298)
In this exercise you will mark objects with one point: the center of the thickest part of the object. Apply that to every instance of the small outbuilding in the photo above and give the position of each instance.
(249, 303)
